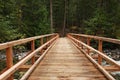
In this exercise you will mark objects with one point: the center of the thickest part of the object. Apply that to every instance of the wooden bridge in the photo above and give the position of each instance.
(68, 58)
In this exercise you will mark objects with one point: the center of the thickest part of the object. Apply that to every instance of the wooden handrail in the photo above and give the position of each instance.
(100, 53)
(26, 75)
(88, 47)
(8, 46)
(116, 41)
(87, 39)
(22, 41)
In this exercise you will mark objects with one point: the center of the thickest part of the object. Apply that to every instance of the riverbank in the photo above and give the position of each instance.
(114, 54)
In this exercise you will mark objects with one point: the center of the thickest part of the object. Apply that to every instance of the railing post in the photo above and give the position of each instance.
(51, 36)
(9, 60)
(32, 49)
(78, 39)
(41, 41)
(82, 39)
(88, 43)
(100, 49)
(47, 38)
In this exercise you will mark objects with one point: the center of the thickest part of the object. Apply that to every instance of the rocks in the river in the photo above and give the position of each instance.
(114, 54)
(116, 75)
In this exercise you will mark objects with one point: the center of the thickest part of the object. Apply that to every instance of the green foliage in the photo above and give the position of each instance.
(23, 18)
(98, 25)
(7, 33)
(35, 18)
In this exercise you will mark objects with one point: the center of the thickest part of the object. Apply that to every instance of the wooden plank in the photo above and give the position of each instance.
(10, 71)
(64, 62)
(96, 64)
(9, 60)
(109, 60)
(41, 41)
(71, 74)
(35, 64)
(111, 68)
(9, 57)
(68, 64)
(100, 49)
(66, 78)
(24, 67)
(32, 49)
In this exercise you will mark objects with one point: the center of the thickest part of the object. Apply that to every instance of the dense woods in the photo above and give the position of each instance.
(25, 18)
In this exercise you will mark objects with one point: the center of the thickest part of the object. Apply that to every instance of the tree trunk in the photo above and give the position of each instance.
(64, 23)
(51, 16)
(100, 5)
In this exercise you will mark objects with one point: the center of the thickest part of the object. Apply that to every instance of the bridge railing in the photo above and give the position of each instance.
(79, 41)
(7, 73)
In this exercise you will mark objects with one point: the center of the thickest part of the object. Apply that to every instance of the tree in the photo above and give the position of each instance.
(51, 16)
(35, 18)
(64, 21)
(8, 21)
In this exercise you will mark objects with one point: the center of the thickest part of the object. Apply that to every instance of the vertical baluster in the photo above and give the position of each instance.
(88, 43)
(82, 39)
(100, 49)
(79, 40)
(47, 38)
(32, 49)
(41, 43)
(9, 60)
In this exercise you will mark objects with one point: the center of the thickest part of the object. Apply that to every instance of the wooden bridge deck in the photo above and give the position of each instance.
(64, 62)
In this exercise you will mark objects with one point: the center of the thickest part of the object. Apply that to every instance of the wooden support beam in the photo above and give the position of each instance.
(95, 63)
(9, 56)
(116, 41)
(36, 63)
(109, 60)
(14, 68)
(88, 43)
(41, 41)
(9, 60)
(24, 67)
(22, 41)
(83, 42)
(37, 56)
(111, 68)
(32, 49)
(95, 56)
(47, 39)
(78, 38)
(100, 49)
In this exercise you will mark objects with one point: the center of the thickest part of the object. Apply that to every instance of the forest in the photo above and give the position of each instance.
(26, 18)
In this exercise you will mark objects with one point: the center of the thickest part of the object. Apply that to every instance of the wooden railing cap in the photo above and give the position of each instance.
(21, 41)
(116, 41)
